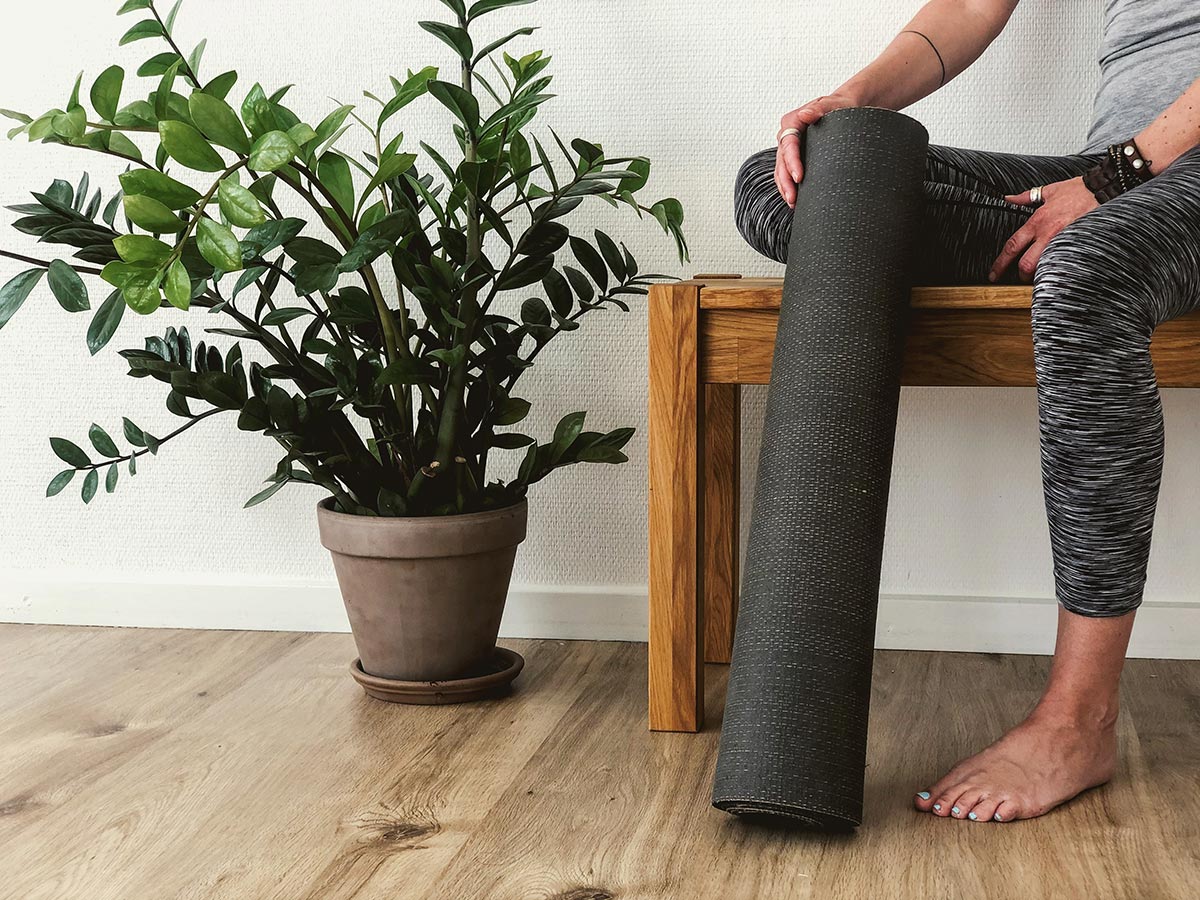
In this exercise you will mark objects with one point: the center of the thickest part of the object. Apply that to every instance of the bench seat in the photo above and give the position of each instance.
(710, 335)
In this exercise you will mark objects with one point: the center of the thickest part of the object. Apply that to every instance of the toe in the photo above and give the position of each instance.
(1006, 811)
(984, 809)
(962, 807)
(923, 801)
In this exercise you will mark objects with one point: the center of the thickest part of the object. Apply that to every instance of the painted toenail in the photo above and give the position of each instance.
(938, 807)
(997, 817)
(954, 810)
(924, 795)
(972, 816)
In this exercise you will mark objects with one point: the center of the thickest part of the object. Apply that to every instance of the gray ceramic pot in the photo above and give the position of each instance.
(424, 594)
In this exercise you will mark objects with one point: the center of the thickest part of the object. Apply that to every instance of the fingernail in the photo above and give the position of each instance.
(972, 816)
(938, 807)
(997, 817)
(954, 810)
(924, 795)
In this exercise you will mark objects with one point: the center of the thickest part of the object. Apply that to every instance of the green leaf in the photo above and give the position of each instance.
(14, 294)
(218, 245)
(483, 7)
(69, 289)
(453, 36)
(163, 188)
(221, 85)
(106, 92)
(601, 453)
(497, 44)
(148, 213)
(392, 166)
(301, 134)
(641, 169)
(240, 206)
(141, 292)
(265, 494)
(218, 122)
(220, 389)
(459, 101)
(133, 434)
(272, 234)
(141, 31)
(104, 322)
(511, 411)
(59, 481)
(285, 315)
(415, 86)
(110, 480)
(102, 442)
(178, 286)
(71, 454)
(131, 5)
(511, 440)
(568, 429)
(333, 170)
(273, 151)
(591, 261)
(187, 146)
(141, 248)
(90, 484)
(70, 125)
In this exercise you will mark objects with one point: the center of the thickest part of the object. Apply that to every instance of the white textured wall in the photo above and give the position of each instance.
(695, 86)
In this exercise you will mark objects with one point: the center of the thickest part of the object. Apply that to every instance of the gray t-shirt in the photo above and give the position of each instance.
(1149, 55)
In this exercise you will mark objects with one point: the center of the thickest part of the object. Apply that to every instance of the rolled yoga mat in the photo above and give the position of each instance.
(794, 735)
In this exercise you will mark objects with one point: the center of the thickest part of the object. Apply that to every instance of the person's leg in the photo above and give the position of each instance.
(966, 219)
(1101, 288)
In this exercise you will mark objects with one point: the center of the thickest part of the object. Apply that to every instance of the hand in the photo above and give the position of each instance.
(789, 171)
(1063, 203)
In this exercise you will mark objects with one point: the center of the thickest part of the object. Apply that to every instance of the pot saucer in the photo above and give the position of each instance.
(491, 680)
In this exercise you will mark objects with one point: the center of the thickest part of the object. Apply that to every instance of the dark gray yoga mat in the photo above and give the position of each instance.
(794, 736)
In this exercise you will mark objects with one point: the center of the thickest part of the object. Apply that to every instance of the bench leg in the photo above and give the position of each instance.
(722, 498)
(676, 421)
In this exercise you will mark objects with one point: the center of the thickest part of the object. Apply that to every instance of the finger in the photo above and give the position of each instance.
(783, 179)
(789, 153)
(1028, 264)
(1021, 199)
(1013, 248)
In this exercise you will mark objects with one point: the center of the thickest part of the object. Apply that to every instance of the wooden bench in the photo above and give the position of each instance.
(712, 334)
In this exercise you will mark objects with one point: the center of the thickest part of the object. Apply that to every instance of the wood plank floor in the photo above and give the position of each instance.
(139, 765)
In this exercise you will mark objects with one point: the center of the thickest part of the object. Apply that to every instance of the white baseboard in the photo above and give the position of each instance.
(1167, 630)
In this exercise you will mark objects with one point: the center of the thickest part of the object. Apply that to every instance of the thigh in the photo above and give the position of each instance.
(967, 220)
(1136, 257)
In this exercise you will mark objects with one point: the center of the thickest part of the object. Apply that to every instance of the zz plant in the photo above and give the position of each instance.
(393, 321)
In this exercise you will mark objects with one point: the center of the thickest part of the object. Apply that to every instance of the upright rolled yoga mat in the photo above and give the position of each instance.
(794, 736)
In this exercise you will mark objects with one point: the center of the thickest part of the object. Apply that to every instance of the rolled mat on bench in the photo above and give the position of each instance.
(794, 735)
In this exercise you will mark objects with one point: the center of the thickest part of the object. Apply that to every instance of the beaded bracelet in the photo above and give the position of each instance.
(1121, 170)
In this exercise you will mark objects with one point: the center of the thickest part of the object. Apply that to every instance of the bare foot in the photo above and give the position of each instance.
(1040, 764)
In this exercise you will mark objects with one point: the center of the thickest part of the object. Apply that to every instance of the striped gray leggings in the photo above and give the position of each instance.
(1101, 288)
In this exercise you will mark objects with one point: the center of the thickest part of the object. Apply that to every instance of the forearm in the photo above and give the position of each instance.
(1174, 132)
(909, 69)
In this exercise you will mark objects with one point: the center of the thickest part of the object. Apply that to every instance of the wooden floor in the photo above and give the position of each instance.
(166, 764)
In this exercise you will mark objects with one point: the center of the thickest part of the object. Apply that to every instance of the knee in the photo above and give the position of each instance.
(761, 215)
(1078, 293)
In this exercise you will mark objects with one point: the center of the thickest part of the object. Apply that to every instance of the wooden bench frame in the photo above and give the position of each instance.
(712, 334)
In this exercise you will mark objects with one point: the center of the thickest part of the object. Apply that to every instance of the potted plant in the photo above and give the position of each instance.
(386, 329)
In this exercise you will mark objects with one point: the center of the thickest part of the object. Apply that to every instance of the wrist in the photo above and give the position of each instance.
(1122, 169)
(856, 93)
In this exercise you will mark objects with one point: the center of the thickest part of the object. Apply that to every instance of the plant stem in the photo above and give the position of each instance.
(178, 431)
(186, 69)
(85, 270)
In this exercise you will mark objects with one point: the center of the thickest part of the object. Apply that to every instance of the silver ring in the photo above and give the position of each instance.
(1035, 195)
(785, 133)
